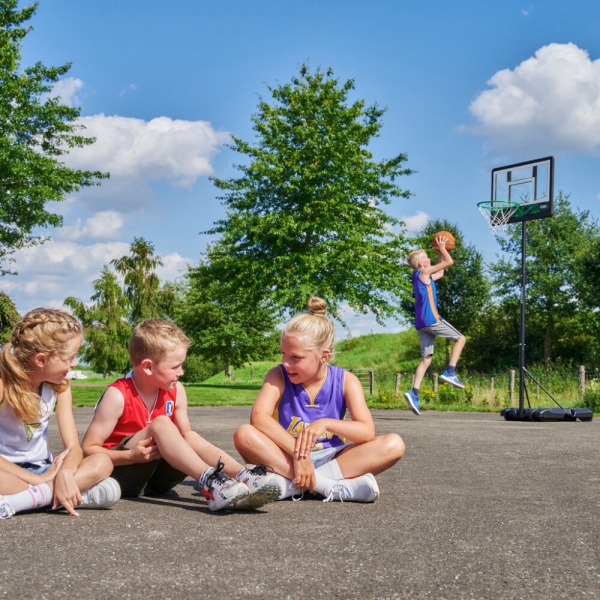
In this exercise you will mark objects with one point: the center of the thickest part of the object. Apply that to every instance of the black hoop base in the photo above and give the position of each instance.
(547, 414)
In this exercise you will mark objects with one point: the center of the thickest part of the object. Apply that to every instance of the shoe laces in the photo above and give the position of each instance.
(260, 470)
(218, 474)
(343, 492)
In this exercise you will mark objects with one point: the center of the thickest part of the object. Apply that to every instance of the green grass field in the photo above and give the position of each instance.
(387, 354)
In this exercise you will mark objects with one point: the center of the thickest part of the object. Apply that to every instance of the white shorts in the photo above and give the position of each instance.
(320, 457)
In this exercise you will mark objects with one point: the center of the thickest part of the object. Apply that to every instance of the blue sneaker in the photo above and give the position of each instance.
(413, 402)
(451, 379)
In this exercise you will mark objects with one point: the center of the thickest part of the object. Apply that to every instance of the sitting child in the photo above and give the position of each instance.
(141, 423)
(33, 387)
(309, 444)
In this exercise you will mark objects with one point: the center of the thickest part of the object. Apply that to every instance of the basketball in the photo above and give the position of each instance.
(446, 234)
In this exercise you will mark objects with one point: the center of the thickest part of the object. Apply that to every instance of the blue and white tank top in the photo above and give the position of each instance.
(27, 442)
(297, 409)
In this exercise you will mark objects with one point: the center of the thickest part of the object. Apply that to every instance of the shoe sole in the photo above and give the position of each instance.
(411, 405)
(113, 494)
(460, 386)
(225, 503)
(266, 494)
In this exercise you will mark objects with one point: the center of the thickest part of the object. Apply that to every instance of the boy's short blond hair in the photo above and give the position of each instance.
(414, 258)
(154, 339)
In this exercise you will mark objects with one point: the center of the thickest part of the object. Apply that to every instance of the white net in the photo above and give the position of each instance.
(497, 214)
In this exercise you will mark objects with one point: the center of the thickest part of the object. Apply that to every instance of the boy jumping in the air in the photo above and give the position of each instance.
(428, 323)
(141, 423)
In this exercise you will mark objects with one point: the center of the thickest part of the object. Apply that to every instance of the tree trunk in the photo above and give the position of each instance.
(229, 372)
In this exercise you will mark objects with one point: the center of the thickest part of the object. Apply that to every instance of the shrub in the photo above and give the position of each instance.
(448, 394)
(197, 369)
(591, 397)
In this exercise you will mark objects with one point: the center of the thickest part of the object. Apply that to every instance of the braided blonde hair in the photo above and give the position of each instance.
(313, 326)
(42, 330)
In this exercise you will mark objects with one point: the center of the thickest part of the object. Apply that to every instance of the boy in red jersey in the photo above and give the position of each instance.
(141, 423)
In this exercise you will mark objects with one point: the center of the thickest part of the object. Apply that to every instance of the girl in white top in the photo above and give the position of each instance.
(33, 385)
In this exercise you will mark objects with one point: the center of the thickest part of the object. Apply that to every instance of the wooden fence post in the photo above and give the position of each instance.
(581, 380)
(397, 390)
(435, 383)
(511, 387)
(492, 390)
(371, 381)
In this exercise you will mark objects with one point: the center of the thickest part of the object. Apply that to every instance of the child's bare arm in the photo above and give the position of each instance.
(106, 415)
(182, 419)
(444, 260)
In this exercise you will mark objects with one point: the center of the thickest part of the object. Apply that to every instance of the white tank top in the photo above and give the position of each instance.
(26, 442)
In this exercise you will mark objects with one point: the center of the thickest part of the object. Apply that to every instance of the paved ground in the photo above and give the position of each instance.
(478, 508)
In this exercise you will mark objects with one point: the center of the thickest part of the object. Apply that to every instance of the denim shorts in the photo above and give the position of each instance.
(320, 457)
(38, 469)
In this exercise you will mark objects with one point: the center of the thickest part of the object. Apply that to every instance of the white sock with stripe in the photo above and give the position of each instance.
(35, 497)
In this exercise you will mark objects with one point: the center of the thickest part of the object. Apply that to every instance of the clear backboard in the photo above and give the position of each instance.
(530, 184)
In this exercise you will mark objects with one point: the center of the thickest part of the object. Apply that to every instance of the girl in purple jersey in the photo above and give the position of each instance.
(297, 423)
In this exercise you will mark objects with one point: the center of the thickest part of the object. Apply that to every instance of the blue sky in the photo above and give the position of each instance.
(468, 86)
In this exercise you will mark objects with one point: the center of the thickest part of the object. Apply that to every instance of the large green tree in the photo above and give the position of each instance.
(305, 216)
(555, 316)
(106, 326)
(229, 322)
(36, 131)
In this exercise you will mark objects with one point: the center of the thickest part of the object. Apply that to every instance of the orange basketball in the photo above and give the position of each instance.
(446, 234)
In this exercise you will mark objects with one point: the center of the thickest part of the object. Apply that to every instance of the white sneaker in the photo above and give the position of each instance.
(359, 489)
(102, 495)
(263, 484)
(6, 510)
(221, 490)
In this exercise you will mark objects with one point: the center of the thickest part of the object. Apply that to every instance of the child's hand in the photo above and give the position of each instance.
(66, 492)
(440, 243)
(144, 451)
(307, 438)
(51, 473)
(304, 473)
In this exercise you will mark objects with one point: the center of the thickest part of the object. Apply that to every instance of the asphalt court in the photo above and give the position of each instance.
(478, 508)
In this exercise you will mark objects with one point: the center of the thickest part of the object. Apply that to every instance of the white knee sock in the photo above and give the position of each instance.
(35, 497)
(288, 487)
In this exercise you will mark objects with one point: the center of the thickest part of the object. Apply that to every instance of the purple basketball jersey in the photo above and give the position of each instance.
(297, 409)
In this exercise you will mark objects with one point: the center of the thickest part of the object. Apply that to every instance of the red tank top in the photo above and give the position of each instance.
(135, 412)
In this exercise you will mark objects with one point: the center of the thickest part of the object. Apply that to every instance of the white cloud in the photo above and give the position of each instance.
(130, 88)
(67, 90)
(416, 222)
(549, 104)
(527, 11)
(103, 225)
(174, 266)
(137, 152)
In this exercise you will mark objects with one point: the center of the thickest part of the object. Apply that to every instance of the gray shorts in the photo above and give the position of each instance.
(428, 334)
(324, 455)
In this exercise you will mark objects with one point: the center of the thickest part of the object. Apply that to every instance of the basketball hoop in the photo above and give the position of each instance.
(497, 214)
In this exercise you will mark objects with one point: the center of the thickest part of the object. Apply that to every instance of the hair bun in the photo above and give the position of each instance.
(317, 306)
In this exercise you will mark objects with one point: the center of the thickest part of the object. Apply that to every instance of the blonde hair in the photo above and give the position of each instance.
(414, 258)
(42, 330)
(313, 326)
(154, 339)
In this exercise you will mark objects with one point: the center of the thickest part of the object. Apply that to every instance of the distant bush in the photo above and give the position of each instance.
(448, 394)
(591, 397)
(197, 369)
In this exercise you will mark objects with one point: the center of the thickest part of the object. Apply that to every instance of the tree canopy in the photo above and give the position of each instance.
(36, 130)
(306, 215)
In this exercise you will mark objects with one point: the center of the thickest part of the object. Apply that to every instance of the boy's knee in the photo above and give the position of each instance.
(161, 423)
